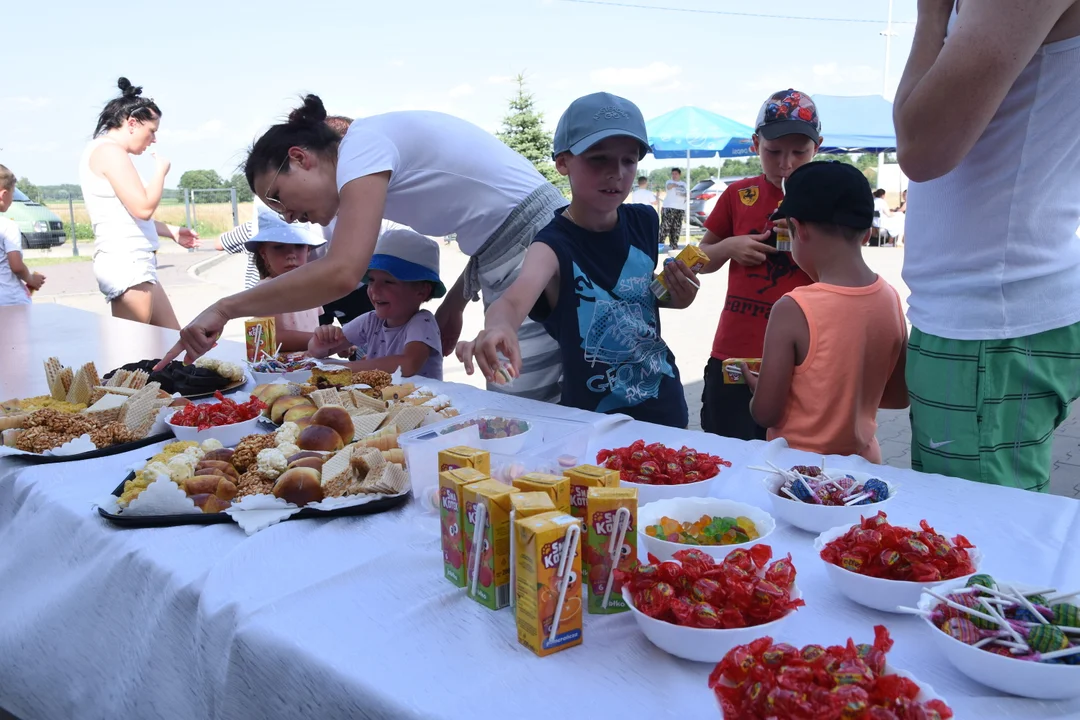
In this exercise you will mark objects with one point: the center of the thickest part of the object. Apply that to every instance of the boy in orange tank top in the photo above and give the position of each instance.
(834, 350)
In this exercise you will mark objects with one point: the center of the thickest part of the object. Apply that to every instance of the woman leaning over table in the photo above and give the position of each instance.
(121, 209)
(435, 173)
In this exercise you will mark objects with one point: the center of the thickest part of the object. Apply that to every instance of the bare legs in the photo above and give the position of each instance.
(146, 303)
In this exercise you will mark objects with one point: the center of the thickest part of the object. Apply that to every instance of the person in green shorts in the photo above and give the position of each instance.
(984, 126)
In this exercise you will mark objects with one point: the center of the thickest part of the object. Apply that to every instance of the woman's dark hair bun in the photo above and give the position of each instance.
(127, 89)
(312, 112)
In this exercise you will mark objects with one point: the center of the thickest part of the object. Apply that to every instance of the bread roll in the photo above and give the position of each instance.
(299, 486)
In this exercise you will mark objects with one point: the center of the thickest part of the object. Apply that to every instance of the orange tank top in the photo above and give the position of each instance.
(856, 336)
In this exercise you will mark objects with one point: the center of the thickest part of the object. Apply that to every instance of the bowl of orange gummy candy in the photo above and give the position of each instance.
(713, 525)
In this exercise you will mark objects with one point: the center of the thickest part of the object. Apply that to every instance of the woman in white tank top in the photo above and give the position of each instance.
(121, 209)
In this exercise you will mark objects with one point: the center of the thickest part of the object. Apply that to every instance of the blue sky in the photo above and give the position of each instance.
(221, 73)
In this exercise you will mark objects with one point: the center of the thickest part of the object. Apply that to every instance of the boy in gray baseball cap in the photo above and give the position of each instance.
(586, 277)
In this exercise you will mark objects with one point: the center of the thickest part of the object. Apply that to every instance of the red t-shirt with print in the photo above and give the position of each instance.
(744, 209)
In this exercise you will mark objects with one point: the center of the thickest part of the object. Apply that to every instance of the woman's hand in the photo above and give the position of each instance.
(162, 165)
(198, 337)
(449, 319)
(184, 237)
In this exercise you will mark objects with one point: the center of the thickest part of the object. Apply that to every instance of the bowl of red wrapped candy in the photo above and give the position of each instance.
(658, 472)
(715, 526)
(1014, 638)
(777, 680)
(815, 500)
(883, 566)
(697, 608)
(224, 420)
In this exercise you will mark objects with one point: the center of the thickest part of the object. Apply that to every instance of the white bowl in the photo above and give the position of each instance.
(227, 435)
(879, 593)
(926, 692)
(653, 493)
(689, 510)
(819, 518)
(269, 378)
(1043, 681)
(700, 644)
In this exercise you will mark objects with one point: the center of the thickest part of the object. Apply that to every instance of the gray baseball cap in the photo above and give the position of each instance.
(597, 117)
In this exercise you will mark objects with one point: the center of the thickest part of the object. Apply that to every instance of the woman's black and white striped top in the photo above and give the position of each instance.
(233, 243)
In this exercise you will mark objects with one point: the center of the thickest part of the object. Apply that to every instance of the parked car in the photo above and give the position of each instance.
(703, 197)
(40, 226)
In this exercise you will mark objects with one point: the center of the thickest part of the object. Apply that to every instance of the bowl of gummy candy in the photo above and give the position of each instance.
(697, 608)
(504, 435)
(778, 680)
(885, 566)
(814, 500)
(714, 525)
(1015, 638)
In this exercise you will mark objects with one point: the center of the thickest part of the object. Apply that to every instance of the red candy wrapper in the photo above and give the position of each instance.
(697, 591)
(762, 680)
(878, 549)
(657, 464)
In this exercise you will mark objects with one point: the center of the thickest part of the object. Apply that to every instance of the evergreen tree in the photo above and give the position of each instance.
(523, 130)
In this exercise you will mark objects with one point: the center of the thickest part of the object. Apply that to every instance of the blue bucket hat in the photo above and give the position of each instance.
(409, 257)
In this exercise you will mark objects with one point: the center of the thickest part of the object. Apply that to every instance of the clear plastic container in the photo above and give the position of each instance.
(548, 445)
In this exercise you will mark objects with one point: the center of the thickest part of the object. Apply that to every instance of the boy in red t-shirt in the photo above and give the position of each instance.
(787, 136)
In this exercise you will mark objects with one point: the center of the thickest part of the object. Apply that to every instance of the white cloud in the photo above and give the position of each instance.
(396, 62)
(209, 130)
(461, 90)
(28, 102)
(657, 75)
(44, 147)
(500, 80)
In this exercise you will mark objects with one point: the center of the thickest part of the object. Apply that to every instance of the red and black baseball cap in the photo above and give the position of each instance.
(830, 193)
(788, 112)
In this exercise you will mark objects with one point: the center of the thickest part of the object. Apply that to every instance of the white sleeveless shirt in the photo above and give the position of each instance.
(115, 229)
(992, 247)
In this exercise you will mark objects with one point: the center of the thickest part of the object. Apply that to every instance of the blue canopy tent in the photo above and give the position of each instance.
(690, 132)
(862, 124)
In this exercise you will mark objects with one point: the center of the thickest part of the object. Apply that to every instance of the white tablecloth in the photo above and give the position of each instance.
(351, 617)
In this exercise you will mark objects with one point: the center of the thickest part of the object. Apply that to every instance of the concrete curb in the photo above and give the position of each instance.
(202, 266)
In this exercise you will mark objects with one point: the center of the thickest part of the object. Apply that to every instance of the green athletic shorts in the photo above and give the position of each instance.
(986, 410)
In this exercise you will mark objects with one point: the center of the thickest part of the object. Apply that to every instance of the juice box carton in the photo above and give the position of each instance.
(732, 371)
(693, 257)
(261, 330)
(541, 543)
(493, 572)
(527, 504)
(584, 477)
(556, 486)
(600, 524)
(465, 457)
(452, 484)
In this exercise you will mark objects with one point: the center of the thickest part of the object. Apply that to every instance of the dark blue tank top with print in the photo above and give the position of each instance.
(607, 322)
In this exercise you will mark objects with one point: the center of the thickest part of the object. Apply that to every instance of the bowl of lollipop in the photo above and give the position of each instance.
(288, 367)
(1016, 638)
(815, 499)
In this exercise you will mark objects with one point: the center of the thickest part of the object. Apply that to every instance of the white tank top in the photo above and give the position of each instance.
(992, 247)
(115, 229)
